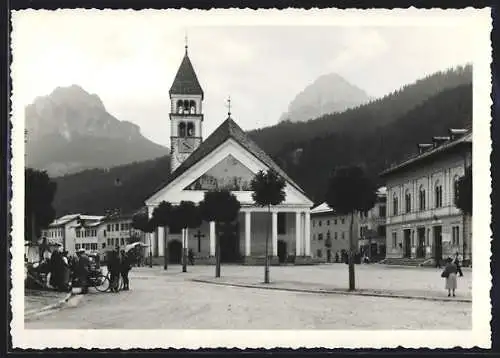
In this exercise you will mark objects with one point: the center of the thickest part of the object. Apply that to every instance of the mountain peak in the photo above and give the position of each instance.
(329, 93)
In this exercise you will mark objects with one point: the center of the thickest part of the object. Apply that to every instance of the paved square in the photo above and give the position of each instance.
(160, 299)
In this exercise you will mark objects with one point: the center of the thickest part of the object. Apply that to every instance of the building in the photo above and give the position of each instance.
(330, 232)
(63, 231)
(116, 230)
(227, 159)
(372, 233)
(423, 222)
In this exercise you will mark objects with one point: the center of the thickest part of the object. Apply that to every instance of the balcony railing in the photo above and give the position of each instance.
(424, 215)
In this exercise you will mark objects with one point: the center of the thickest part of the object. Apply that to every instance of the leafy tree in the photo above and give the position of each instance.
(463, 201)
(349, 191)
(38, 196)
(268, 190)
(186, 215)
(142, 222)
(222, 207)
(162, 217)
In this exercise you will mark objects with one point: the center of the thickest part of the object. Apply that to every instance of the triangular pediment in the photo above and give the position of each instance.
(229, 174)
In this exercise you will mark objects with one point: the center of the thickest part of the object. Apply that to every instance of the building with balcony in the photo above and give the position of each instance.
(372, 233)
(423, 223)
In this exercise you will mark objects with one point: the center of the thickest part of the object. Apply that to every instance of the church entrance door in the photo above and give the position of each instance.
(282, 251)
(230, 243)
(175, 251)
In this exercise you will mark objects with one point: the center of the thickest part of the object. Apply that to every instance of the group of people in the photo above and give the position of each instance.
(119, 264)
(450, 272)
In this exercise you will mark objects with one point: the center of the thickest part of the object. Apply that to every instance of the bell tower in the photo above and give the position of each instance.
(186, 115)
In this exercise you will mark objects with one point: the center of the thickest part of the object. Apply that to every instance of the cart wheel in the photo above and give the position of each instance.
(101, 283)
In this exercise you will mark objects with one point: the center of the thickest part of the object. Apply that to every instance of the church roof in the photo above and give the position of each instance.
(228, 129)
(186, 81)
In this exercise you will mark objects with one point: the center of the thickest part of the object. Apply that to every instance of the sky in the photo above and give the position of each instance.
(262, 60)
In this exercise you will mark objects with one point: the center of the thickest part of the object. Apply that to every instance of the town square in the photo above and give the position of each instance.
(272, 177)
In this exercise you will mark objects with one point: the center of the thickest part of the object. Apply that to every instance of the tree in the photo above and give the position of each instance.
(463, 201)
(268, 190)
(222, 207)
(142, 222)
(349, 191)
(38, 197)
(162, 217)
(186, 215)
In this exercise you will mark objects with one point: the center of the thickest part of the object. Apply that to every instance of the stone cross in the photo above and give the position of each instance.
(199, 235)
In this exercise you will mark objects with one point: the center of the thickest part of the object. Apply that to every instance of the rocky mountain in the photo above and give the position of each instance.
(70, 130)
(328, 94)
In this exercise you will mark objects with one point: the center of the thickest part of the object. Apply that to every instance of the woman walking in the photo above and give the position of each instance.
(450, 275)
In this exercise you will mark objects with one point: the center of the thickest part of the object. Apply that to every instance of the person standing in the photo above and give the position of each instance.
(450, 276)
(125, 267)
(457, 261)
(83, 268)
(114, 269)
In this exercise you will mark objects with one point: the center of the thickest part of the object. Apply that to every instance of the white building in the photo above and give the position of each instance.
(228, 159)
(422, 219)
(330, 231)
(64, 231)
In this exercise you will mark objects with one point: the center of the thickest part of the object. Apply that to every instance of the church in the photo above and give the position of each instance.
(227, 159)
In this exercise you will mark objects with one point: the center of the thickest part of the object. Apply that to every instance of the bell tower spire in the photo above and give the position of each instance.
(186, 115)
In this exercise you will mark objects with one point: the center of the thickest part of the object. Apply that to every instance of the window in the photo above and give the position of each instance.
(343, 235)
(381, 230)
(335, 236)
(335, 222)
(342, 220)
(93, 246)
(103, 245)
(394, 204)
(421, 198)
(109, 242)
(319, 253)
(320, 237)
(455, 187)
(328, 236)
(455, 235)
(108, 227)
(182, 129)
(104, 232)
(394, 239)
(123, 241)
(77, 233)
(190, 129)
(77, 246)
(319, 223)
(408, 201)
(381, 211)
(281, 223)
(438, 197)
(328, 222)
(117, 227)
(87, 246)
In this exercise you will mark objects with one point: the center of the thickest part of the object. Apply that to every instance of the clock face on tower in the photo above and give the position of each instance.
(185, 145)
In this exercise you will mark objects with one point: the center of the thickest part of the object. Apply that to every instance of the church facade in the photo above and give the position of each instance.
(227, 159)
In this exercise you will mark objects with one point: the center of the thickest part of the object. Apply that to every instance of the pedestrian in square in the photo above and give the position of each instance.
(83, 269)
(125, 267)
(191, 257)
(114, 269)
(457, 261)
(450, 276)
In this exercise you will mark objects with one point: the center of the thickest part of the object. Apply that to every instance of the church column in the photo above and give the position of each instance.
(275, 234)
(248, 233)
(212, 238)
(161, 241)
(298, 233)
(307, 233)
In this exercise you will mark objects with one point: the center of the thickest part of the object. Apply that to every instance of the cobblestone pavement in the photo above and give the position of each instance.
(160, 299)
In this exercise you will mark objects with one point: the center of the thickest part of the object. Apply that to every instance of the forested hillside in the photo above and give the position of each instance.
(364, 119)
(311, 162)
(374, 135)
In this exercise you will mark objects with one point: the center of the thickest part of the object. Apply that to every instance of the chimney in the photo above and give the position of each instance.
(437, 141)
(422, 147)
(456, 133)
